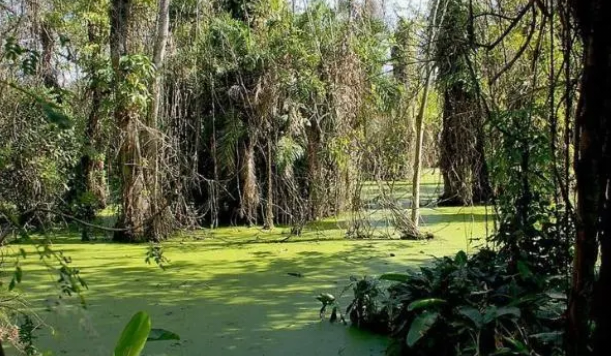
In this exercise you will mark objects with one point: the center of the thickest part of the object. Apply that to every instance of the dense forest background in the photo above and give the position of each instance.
(173, 115)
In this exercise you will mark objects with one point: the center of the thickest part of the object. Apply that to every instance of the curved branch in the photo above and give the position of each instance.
(520, 51)
(511, 26)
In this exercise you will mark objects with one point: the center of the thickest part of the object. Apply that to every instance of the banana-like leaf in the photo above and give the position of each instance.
(424, 303)
(423, 323)
(492, 313)
(472, 314)
(134, 335)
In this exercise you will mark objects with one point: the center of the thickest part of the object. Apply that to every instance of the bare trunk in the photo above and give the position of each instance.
(269, 214)
(313, 171)
(593, 154)
(92, 181)
(152, 138)
(163, 30)
(602, 288)
(418, 154)
(250, 192)
(420, 118)
(48, 46)
(455, 149)
(482, 189)
(92, 162)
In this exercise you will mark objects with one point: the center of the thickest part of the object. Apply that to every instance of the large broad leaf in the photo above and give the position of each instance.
(420, 326)
(161, 335)
(549, 337)
(492, 313)
(395, 277)
(134, 335)
(424, 303)
(472, 314)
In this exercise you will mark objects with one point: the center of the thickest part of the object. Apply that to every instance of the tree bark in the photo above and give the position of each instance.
(418, 154)
(135, 207)
(313, 183)
(91, 178)
(420, 118)
(48, 45)
(456, 142)
(269, 214)
(482, 189)
(593, 156)
(250, 191)
(163, 31)
(152, 140)
(462, 160)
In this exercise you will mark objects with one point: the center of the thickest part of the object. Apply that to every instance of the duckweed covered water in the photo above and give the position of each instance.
(232, 291)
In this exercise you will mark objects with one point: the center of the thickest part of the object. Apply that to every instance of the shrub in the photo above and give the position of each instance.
(462, 306)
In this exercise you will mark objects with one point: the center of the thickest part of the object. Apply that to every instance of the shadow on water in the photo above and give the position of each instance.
(234, 302)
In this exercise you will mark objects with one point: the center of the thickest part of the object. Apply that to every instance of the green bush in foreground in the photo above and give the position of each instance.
(462, 306)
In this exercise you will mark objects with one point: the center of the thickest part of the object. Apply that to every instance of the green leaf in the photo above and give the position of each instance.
(54, 115)
(134, 335)
(523, 269)
(472, 314)
(518, 346)
(508, 311)
(420, 326)
(553, 336)
(18, 274)
(425, 303)
(161, 335)
(395, 277)
(52, 112)
(492, 313)
(461, 258)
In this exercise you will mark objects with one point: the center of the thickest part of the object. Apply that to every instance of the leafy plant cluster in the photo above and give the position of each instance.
(533, 225)
(462, 306)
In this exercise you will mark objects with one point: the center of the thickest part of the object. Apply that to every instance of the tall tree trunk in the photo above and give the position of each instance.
(593, 156)
(420, 118)
(462, 161)
(269, 214)
(135, 207)
(93, 181)
(482, 189)
(418, 154)
(455, 146)
(250, 191)
(313, 182)
(46, 64)
(152, 138)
